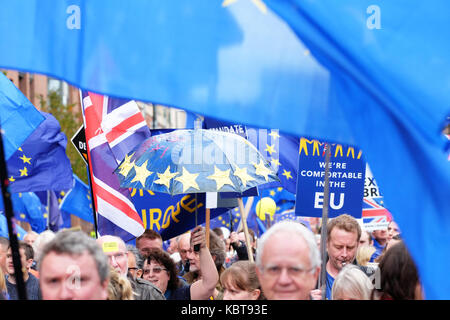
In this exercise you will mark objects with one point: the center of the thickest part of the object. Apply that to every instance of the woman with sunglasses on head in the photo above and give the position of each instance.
(160, 269)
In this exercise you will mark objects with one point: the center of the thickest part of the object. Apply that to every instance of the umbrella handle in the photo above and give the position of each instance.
(196, 246)
(207, 225)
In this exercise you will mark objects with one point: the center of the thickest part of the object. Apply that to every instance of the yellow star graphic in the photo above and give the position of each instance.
(12, 179)
(221, 177)
(258, 3)
(275, 162)
(188, 180)
(126, 165)
(164, 178)
(262, 170)
(25, 159)
(242, 174)
(274, 134)
(141, 173)
(287, 174)
(24, 172)
(270, 149)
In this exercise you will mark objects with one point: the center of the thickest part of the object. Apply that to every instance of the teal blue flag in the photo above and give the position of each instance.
(389, 82)
(18, 117)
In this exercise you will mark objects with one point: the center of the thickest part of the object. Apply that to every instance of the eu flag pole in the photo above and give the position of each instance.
(9, 214)
(323, 240)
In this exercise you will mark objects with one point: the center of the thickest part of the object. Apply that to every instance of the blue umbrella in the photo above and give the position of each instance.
(194, 161)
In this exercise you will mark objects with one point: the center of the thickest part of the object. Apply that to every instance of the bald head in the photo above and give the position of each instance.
(184, 244)
(116, 250)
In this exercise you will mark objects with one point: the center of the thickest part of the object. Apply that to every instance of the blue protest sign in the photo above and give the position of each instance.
(171, 215)
(346, 180)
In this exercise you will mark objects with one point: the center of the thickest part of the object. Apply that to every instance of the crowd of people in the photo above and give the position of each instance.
(286, 264)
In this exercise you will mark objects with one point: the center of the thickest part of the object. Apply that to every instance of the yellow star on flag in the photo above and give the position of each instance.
(164, 178)
(270, 149)
(274, 134)
(24, 172)
(126, 165)
(25, 159)
(221, 177)
(242, 174)
(258, 3)
(141, 173)
(287, 174)
(12, 179)
(262, 170)
(188, 180)
(275, 162)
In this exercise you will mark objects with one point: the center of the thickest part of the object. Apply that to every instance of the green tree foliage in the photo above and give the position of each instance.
(70, 120)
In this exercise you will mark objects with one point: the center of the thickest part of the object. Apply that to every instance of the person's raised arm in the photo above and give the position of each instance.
(204, 288)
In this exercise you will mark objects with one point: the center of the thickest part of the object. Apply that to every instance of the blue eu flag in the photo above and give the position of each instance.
(78, 202)
(19, 231)
(41, 162)
(18, 117)
(27, 207)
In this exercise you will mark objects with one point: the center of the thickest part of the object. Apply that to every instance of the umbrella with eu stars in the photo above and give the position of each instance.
(195, 161)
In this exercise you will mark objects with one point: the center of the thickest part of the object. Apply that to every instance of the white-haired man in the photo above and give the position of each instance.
(287, 262)
(117, 253)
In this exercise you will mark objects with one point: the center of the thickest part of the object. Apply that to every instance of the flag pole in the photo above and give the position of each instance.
(323, 236)
(94, 210)
(9, 214)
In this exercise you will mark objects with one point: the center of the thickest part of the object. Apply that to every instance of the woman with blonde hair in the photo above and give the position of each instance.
(3, 289)
(119, 287)
(364, 254)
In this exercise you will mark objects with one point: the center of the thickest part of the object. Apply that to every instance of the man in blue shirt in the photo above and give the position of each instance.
(343, 233)
(380, 239)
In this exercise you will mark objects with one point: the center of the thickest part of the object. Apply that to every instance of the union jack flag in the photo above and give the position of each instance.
(372, 207)
(113, 128)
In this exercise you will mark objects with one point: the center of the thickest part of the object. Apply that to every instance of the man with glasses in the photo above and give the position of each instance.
(287, 262)
(117, 253)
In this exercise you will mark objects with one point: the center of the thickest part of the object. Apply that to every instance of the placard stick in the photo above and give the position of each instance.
(208, 213)
(244, 223)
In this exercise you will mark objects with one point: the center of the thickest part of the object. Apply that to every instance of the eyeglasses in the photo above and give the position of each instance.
(117, 256)
(133, 268)
(155, 270)
(293, 272)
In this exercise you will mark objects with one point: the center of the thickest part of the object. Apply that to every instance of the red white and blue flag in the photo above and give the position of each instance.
(373, 207)
(113, 128)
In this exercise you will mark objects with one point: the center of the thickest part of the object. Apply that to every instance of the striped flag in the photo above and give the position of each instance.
(113, 128)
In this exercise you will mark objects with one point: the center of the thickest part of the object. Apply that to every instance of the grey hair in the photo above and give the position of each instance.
(42, 239)
(77, 243)
(352, 280)
(292, 227)
(137, 255)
